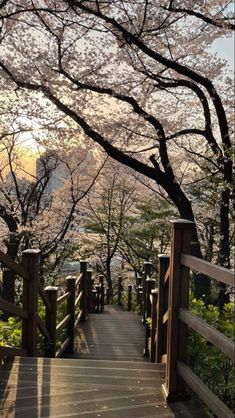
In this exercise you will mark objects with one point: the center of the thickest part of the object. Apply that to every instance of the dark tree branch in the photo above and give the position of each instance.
(215, 21)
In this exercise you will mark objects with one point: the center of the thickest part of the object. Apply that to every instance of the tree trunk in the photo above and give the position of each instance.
(200, 283)
(109, 277)
(8, 277)
(224, 254)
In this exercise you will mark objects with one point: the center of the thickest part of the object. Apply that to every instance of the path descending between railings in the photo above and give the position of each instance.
(107, 377)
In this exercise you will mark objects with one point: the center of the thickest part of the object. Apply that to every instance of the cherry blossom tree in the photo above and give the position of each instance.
(106, 209)
(38, 208)
(139, 79)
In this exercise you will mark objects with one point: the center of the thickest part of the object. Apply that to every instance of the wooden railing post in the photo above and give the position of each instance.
(139, 294)
(147, 271)
(162, 307)
(51, 318)
(97, 287)
(154, 294)
(101, 280)
(174, 386)
(139, 281)
(120, 289)
(70, 309)
(83, 287)
(150, 284)
(30, 261)
(89, 291)
(107, 296)
(129, 297)
(94, 299)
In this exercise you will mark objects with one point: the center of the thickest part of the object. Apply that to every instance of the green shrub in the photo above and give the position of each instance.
(124, 302)
(11, 330)
(214, 368)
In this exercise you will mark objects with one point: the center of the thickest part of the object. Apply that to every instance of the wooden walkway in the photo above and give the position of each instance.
(115, 334)
(107, 377)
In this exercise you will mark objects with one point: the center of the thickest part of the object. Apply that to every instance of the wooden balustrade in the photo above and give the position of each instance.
(173, 319)
(153, 328)
(101, 282)
(90, 284)
(168, 307)
(150, 284)
(139, 299)
(129, 297)
(77, 297)
(108, 296)
(120, 290)
(146, 274)
(162, 309)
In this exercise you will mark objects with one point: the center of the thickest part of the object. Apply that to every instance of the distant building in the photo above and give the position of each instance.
(51, 170)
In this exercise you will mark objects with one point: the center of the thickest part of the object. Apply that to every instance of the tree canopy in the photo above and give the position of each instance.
(139, 79)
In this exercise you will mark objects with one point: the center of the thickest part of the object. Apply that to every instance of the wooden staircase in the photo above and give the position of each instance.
(97, 381)
(106, 375)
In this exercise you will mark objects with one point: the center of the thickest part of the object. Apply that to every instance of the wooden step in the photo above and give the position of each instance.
(56, 388)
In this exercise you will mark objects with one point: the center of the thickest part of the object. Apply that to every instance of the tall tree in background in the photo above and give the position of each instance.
(107, 207)
(146, 233)
(34, 213)
(138, 79)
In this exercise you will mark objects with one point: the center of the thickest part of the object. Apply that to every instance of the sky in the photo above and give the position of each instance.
(225, 49)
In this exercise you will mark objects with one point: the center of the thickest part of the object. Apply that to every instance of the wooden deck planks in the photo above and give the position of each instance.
(107, 377)
(113, 335)
(90, 388)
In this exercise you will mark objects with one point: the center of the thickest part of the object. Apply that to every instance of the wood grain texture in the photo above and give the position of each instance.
(221, 274)
(107, 377)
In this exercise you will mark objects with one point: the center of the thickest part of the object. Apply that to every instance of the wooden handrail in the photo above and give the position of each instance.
(173, 304)
(78, 279)
(13, 309)
(64, 297)
(210, 333)
(63, 347)
(12, 265)
(150, 284)
(43, 296)
(63, 323)
(167, 275)
(207, 396)
(153, 299)
(162, 307)
(76, 297)
(7, 351)
(221, 274)
(78, 318)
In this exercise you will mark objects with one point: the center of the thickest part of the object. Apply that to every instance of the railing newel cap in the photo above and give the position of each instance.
(31, 251)
(52, 288)
(71, 277)
(182, 223)
(147, 262)
(154, 291)
(163, 256)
